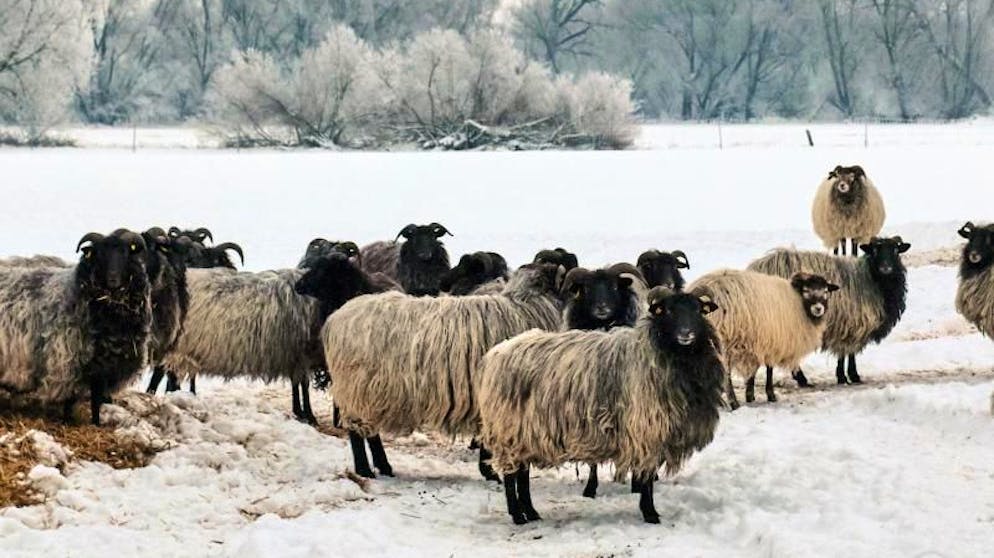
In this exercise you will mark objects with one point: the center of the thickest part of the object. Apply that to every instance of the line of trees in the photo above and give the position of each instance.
(156, 61)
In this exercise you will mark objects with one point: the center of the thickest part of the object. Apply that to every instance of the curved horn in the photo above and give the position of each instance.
(89, 237)
(348, 244)
(574, 276)
(647, 255)
(155, 232)
(625, 268)
(203, 233)
(406, 231)
(439, 230)
(174, 231)
(679, 254)
(232, 246)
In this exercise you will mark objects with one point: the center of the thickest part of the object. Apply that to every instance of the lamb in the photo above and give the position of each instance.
(253, 325)
(401, 362)
(872, 300)
(765, 320)
(418, 263)
(66, 333)
(601, 300)
(557, 256)
(474, 272)
(975, 295)
(847, 205)
(663, 268)
(640, 397)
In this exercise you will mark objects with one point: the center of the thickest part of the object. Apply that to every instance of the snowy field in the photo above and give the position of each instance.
(900, 466)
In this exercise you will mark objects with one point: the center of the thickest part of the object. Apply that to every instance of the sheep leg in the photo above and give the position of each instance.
(853, 373)
(525, 494)
(590, 491)
(730, 392)
(359, 459)
(336, 416)
(172, 382)
(305, 402)
(295, 404)
(835, 251)
(840, 371)
(646, 505)
(843, 243)
(193, 385)
(854, 247)
(485, 468)
(801, 379)
(771, 397)
(97, 388)
(67, 407)
(379, 456)
(751, 389)
(153, 383)
(511, 494)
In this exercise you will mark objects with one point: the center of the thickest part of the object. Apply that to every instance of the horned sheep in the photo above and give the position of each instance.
(764, 321)
(641, 397)
(847, 206)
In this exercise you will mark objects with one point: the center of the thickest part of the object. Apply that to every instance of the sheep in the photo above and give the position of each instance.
(320, 248)
(765, 320)
(252, 325)
(975, 294)
(418, 263)
(68, 331)
(166, 265)
(640, 397)
(401, 362)
(871, 303)
(847, 205)
(557, 256)
(199, 235)
(663, 268)
(600, 300)
(473, 272)
(208, 257)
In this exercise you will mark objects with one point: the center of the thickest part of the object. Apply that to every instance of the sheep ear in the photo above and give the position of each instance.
(707, 305)
(681, 259)
(832, 287)
(903, 247)
(835, 172)
(967, 229)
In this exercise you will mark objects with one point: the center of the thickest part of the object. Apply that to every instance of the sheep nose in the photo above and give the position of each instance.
(114, 281)
(844, 188)
(685, 336)
(602, 311)
(886, 269)
(818, 310)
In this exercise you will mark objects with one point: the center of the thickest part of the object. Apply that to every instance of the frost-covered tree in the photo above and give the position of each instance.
(552, 29)
(45, 53)
(325, 92)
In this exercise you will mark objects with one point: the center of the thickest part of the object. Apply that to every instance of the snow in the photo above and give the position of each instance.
(900, 466)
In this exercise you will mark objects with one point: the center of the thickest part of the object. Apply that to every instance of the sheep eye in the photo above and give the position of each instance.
(134, 247)
(87, 253)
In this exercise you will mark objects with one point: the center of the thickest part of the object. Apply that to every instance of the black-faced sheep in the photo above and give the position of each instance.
(765, 321)
(400, 362)
(473, 272)
(199, 235)
(255, 325)
(320, 248)
(212, 257)
(557, 256)
(640, 397)
(975, 295)
(68, 333)
(869, 305)
(600, 300)
(662, 269)
(418, 263)
(847, 206)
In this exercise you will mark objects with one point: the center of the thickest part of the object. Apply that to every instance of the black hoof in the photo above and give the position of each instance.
(651, 517)
(589, 492)
(519, 518)
(802, 380)
(367, 473)
(855, 379)
(750, 398)
(770, 398)
(734, 405)
(386, 471)
(841, 380)
(532, 515)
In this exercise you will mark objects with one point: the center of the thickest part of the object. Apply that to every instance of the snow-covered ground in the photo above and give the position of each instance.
(901, 466)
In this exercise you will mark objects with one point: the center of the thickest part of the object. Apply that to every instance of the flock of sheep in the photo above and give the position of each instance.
(548, 364)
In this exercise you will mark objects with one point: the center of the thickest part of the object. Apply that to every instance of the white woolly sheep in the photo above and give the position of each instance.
(847, 206)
